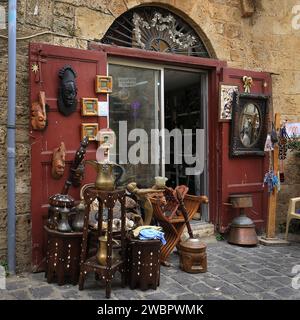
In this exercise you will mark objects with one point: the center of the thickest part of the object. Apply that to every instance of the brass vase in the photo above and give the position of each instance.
(106, 177)
(102, 252)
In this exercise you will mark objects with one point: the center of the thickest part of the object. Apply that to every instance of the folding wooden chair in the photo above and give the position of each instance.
(171, 217)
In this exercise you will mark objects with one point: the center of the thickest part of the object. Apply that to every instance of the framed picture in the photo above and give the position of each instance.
(89, 130)
(103, 84)
(226, 100)
(249, 124)
(89, 106)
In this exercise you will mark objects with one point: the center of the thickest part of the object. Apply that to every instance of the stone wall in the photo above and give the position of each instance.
(265, 41)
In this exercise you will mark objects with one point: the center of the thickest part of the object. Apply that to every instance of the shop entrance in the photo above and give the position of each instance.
(150, 97)
(185, 106)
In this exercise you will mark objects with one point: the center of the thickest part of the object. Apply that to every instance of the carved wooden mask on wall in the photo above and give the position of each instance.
(38, 113)
(67, 92)
(58, 161)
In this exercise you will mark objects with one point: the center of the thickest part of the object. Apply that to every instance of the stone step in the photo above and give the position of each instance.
(202, 230)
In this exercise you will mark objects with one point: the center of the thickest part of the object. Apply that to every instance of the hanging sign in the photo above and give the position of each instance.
(126, 82)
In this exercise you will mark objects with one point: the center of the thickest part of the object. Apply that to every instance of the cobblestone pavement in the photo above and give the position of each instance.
(233, 273)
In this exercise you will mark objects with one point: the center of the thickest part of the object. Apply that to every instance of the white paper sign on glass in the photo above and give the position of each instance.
(103, 109)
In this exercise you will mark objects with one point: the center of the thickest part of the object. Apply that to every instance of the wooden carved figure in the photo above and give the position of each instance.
(58, 161)
(38, 113)
(67, 93)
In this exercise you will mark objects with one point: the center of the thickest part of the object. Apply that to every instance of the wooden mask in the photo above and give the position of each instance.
(67, 100)
(38, 113)
(58, 161)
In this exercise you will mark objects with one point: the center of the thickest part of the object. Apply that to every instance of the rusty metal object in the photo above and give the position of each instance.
(241, 200)
(242, 229)
(193, 257)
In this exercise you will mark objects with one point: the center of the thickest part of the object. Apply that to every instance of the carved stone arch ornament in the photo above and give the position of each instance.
(156, 29)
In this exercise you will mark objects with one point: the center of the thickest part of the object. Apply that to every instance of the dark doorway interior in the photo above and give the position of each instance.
(184, 110)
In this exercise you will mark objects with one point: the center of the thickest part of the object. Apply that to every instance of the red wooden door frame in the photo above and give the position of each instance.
(213, 67)
(41, 154)
(253, 183)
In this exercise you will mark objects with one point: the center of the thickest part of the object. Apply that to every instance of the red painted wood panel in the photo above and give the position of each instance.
(87, 65)
(242, 174)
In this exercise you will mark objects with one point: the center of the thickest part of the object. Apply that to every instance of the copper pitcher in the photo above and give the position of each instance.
(108, 174)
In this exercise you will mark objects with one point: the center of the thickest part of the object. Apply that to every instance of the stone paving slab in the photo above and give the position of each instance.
(234, 272)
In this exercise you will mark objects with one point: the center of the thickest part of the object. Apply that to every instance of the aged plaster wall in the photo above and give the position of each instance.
(265, 41)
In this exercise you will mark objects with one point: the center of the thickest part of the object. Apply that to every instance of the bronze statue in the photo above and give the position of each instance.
(58, 161)
(142, 196)
(67, 100)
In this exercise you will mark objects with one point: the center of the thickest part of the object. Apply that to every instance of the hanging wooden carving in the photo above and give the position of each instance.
(58, 161)
(38, 113)
(67, 92)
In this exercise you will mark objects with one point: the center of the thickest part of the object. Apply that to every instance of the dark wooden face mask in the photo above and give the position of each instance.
(67, 92)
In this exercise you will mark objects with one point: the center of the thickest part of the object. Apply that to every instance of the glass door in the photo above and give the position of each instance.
(134, 111)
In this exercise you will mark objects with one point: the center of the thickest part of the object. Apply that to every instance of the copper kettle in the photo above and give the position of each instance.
(108, 174)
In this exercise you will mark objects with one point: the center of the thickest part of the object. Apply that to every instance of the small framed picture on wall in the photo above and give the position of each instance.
(226, 96)
(89, 130)
(103, 84)
(89, 106)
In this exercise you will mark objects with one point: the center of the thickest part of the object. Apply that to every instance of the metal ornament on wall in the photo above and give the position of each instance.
(248, 81)
(67, 92)
(156, 29)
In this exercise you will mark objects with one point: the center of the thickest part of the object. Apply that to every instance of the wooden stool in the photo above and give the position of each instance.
(193, 257)
(143, 265)
(62, 256)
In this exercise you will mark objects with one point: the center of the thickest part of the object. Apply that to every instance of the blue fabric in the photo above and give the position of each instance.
(271, 180)
(147, 234)
(298, 211)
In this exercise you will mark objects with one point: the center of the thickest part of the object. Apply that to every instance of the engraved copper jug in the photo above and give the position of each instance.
(108, 174)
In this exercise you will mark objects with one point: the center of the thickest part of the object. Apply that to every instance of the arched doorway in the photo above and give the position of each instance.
(177, 105)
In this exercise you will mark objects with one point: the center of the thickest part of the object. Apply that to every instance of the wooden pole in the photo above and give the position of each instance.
(270, 232)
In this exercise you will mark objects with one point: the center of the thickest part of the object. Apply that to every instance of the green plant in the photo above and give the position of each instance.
(4, 264)
(219, 237)
(282, 227)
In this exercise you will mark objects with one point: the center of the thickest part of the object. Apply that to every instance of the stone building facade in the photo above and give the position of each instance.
(257, 37)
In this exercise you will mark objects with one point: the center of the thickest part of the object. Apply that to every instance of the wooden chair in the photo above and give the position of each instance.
(171, 217)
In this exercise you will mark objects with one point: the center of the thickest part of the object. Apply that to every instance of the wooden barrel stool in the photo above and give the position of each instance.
(193, 257)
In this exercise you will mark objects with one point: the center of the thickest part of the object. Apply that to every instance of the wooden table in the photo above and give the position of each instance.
(62, 256)
(103, 272)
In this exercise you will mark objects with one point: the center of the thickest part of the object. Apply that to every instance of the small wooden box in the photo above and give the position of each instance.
(143, 264)
(63, 256)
